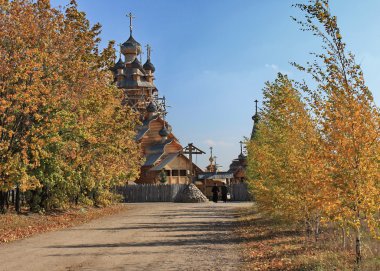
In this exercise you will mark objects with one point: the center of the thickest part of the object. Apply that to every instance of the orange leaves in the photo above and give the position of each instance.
(280, 157)
(320, 160)
(59, 125)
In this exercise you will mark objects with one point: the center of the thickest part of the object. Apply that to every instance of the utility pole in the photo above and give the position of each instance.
(190, 149)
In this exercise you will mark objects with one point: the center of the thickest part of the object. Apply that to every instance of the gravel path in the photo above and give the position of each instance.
(148, 236)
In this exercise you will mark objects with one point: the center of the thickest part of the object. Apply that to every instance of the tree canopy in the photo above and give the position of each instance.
(64, 135)
(316, 153)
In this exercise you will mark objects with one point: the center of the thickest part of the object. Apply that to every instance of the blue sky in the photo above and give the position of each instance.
(213, 57)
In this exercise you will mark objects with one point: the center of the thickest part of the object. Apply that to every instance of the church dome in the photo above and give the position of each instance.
(164, 132)
(148, 66)
(151, 108)
(241, 156)
(119, 65)
(136, 64)
(131, 46)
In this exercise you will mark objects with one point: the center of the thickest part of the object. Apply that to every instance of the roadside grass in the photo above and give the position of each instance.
(15, 227)
(272, 244)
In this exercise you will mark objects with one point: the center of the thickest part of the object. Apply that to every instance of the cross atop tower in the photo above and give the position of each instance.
(241, 147)
(255, 119)
(148, 51)
(131, 17)
(164, 106)
(119, 49)
(216, 165)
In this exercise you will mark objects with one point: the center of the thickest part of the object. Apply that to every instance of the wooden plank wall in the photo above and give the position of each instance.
(167, 192)
(150, 192)
(240, 192)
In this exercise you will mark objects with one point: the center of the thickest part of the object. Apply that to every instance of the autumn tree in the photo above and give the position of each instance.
(65, 138)
(349, 123)
(284, 167)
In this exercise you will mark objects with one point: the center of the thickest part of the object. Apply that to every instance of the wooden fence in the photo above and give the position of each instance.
(167, 192)
(150, 192)
(240, 192)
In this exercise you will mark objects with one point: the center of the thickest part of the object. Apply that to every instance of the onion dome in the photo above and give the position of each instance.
(131, 46)
(136, 64)
(148, 66)
(241, 156)
(164, 132)
(151, 108)
(119, 65)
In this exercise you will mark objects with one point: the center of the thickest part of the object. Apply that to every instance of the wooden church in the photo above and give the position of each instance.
(165, 161)
(239, 165)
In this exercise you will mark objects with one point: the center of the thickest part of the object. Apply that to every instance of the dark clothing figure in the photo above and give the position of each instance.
(224, 193)
(215, 191)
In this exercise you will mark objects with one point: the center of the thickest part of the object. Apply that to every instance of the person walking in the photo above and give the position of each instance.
(224, 192)
(215, 192)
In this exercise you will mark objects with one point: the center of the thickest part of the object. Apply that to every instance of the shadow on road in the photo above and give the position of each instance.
(179, 233)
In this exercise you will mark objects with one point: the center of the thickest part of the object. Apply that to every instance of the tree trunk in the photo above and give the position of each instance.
(13, 197)
(3, 196)
(344, 238)
(308, 228)
(44, 198)
(316, 229)
(7, 199)
(17, 200)
(358, 242)
(358, 249)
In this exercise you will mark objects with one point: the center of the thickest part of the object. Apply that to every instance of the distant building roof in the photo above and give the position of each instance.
(215, 175)
(144, 128)
(159, 148)
(151, 159)
(141, 132)
(170, 157)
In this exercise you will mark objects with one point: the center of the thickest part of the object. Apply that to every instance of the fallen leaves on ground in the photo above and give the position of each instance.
(272, 245)
(14, 227)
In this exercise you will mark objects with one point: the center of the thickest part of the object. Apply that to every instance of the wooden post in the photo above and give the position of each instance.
(190, 149)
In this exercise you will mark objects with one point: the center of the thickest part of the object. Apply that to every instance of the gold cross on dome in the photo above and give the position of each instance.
(119, 49)
(131, 17)
(148, 50)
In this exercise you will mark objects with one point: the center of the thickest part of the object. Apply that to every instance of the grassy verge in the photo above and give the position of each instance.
(14, 227)
(275, 245)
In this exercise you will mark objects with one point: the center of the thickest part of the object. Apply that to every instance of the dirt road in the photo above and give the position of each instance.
(148, 236)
